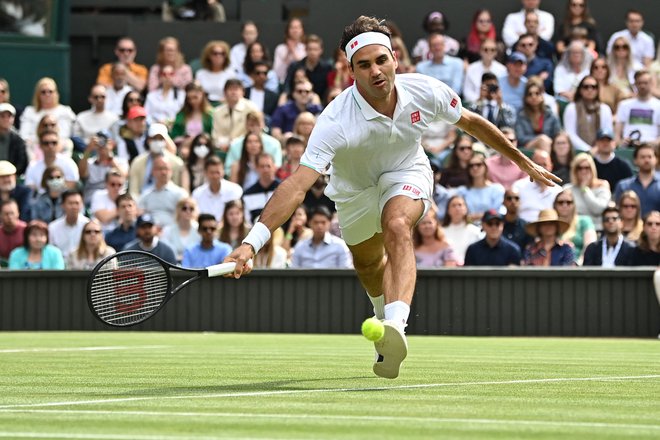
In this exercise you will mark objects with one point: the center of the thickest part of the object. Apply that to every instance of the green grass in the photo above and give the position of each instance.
(177, 386)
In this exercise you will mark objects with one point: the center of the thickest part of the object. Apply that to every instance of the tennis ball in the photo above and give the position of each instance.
(373, 329)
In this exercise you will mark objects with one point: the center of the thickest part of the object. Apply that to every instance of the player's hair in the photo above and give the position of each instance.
(361, 25)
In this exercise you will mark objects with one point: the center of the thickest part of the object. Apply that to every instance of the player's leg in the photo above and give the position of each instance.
(369, 263)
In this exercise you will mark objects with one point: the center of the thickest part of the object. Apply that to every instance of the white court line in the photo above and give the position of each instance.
(49, 350)
(59, 435)
(362, 418)
(328, 390)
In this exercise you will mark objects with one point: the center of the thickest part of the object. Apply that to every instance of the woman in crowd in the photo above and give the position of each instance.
(170, 55)
(459, 232)
(480, 193)
(591, 194)
(607, 93)
(586, 115)
(36, 253)
(577, 15)
(631, 217)
(548, 249)
(340, 76)
(257, 52)
(482, 29)
(295, 148)
(183, 232)
(48, 122)
(402, 55)
(216, 70)
(244, 171)
(562, 156)
(622, 66)
(162, 104)
(131, 99)
(647, 252)
(434, 22)
(291, 50)
(573, 66)
(47, 206)
(580, 232)
(104, 201)
(536, 124)
(234, 227)
(297, 229)
(249, 34)
(303, 125)
(432, 250)
(272, 255)
(198, 150)
(455, 174)
(92, 248)
(196, 116)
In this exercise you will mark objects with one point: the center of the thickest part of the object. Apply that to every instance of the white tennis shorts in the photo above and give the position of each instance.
(360, 215)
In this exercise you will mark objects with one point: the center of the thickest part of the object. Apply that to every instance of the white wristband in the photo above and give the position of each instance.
(258, 236)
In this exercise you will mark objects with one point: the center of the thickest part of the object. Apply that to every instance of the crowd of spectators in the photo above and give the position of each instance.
(180, 161)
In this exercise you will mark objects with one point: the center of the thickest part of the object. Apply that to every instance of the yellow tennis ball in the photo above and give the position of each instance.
(373, 329)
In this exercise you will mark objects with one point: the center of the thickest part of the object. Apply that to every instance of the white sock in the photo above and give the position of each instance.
(379, 305)
(398, 312)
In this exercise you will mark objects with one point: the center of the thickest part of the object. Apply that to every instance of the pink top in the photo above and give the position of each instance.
(427, 260)
(504, 174)
(182, 76)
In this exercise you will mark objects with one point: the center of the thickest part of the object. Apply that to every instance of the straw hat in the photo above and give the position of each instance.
(546, 216)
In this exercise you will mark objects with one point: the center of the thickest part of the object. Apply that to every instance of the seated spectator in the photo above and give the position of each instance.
(535, 197)
(646, 183)
(147, 240)
(458, 231)
(612, 249)
(64, 232)
(631, 217)
(233, 227)
(537, 66)
(641, 114)
(573, 66)
(586, 115)
(291, 50)
(480, 193)
(164, 102)
(49, 122)
(209, 250)
(303, 126)
(536, 125)
(118, 89)
(323, 250)
(160, 200)
(482, 31)
(455, 174)
(442, 66)
(285, 115)
(183, 233)
(201, 148)
(125, 231)
(216, 70)
(296, 230)
(217, 191)
(315, 67)
(432, 250)
(36, 253)
(607, 93)
(561, 155)
(490, 104)
(549, 249)
(256, 196)
(136, 74)
(195, 118)
(14, 149)
(315, 196)
(49, 144)
(577, 15)
(272, 255)
(254, 123)
(132, 140)
(91, 248)
(257, 53)
(249, 34)
(90, 122)
(104, 201)
(501, 169)
(193, 10)
(581, 231)
(11, 228)
(10, 190)
(169, 55)
(434, 22)
(437, 140)
(647, 252)
(229, 120)
(592, 195)
(47, 204)
(97, 161)
(340, 77)
(494, 249)
(244, 172)
(295, 147)
(544, 48)
(405, 64)
(514, 23)
(514, 226)
(642, 42)
(623, 66)
(513, 83)
(262, 97)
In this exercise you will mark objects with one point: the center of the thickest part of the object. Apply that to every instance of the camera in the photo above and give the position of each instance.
(101, 139)
(492, 88)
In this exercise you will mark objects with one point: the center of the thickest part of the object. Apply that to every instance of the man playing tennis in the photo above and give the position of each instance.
(381, 180)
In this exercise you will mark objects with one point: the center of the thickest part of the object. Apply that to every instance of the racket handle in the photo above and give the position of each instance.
(223, 268)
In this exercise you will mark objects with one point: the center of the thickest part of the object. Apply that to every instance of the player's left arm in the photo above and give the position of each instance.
(490, 135)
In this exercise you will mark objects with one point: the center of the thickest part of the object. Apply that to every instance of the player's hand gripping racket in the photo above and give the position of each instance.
(129, 287)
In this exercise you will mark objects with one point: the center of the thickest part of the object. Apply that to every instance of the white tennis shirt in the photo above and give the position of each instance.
(362, 144)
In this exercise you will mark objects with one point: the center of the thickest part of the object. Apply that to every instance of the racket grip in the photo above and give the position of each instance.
(223, 269)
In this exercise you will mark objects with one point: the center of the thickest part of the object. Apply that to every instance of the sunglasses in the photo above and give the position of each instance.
(610, 219)
(493, 223)
(125, 49)
(187, 208)
(92, 231)
(303, 92)
(488, 49)
(589, 86)
(464, 148)
(652, 224)
(565, 202)
(219, 53)
(475, 165)
(583, 168)
(98, 96)
(208, 229)
(116, 184)
(629, 206)
(47, 92)
(621, 46)
(512, 198)
(46, 143)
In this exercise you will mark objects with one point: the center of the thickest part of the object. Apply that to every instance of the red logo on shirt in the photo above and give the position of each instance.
(353, 44)
(412, 189)
(414, 117)
(453, 102)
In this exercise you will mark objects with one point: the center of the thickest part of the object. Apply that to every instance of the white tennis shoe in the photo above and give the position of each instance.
(391, 350)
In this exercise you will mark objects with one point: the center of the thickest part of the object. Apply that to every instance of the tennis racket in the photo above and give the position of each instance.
(130, 287)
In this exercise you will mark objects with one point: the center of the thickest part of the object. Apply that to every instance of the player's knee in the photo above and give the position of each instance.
(397, 228)
(368, 266)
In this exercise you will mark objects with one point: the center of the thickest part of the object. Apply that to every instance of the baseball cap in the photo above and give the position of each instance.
(7, 107)
(492, 214)
(517, 57)
(145, 219)
(605, 133)
(7, 168)
(136, 112)
(158, 129)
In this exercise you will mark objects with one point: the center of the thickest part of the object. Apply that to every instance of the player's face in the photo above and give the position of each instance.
(373, 70)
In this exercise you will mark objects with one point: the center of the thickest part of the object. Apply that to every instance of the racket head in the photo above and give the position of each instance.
(128, 287)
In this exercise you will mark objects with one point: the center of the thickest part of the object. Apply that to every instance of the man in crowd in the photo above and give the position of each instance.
(147, 240)
(132, 140)
(646, 184)
(285, 115)
(254, 123)
(117, 89)
(65, 231)
(97, 161)
(90, 122)
(608, 166)
(125, 231)
(643, 47)
(210, 250)
(500, 168)
(612, 249)
(229, 119)
(49, 142)
(493, 249)
(103, 204)
(641, 113)
(11, 228)
(490, 104)
(514, 23)
(160, 200)
(256, 196)
(513, 83)
(217, 191)
(514, 226)
(265, 100)
(9, 189)
(323, 250)
(535, 197)
(316, 68)
(536, 66)
(441, 66)
(12, 146)
(136, 74)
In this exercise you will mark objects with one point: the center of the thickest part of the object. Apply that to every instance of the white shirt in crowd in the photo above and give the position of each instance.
(163, 108)
(213, 83)
(571, 124)
(64, 236)
(115, 98)
(534, 198)
(514, 26)
(214, 203)
(473, 74)
(36, 168)
(641, 44)
(640, 115)
(89, 122)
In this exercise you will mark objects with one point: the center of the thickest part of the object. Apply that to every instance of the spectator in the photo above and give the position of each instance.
(12, 146)
(544, 48)
(548, 250)
(434, 23)
(501, 169)
(49, 122)
(405, 64)
(536, 65)
(513, 83)
(90, 122)
(340, 77)
(482, 30)
(612, 249)
(104, 201)
(147, 240)
(437, 140)
(432, 250)
(514, 23)
(216, 70)
(641, 113)
(36, 253)
(285, 115)
(217, 191)
(586, 115)
(631, 218)
(64, 232)
(244, 172)
(316, 196)
(254, 123)
(480, 193)
(194, 118)
(94, 170)
(116, 91)
(654, 69)
(132, 141)
(256, 196)
(609, 167)
(458, 231)
(264, 99)
(561, 155)
(229, 120)
(209, 250)
(233, 227)
(536, 125)
(11, 229)
(258, 53)
(592, 195)
(573, 66)
(647, 252)
(165, 101)
(455, 174)
(297, 229)
(183, 233)
(169, 55)
(494, 249)
(642, 43)
(91, 248)
(272, 256)
(316, 68)
(490, 104)
(581, 231)
(201, 148)
(475, 75)
(577, 15)
(125, 231)
(9, 189)
(623, 66)
(249, 34)
(646, 184)
(446, 68)
(514, 226)
(303, 126)
(323, 250)
(136, 74)
(130, 100)
(291, 50)
(535, 197)
(49, 143)
(607, 93)
(295, 147)
(47, 204)
(160, 200)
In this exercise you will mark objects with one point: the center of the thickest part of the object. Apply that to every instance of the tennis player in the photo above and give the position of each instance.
(381, 180)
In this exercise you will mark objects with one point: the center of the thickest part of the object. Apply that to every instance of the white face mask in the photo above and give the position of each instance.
(157, 147)
(58, 184)
(201, 151)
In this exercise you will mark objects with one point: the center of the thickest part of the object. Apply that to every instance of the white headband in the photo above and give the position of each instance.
(365, 39)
